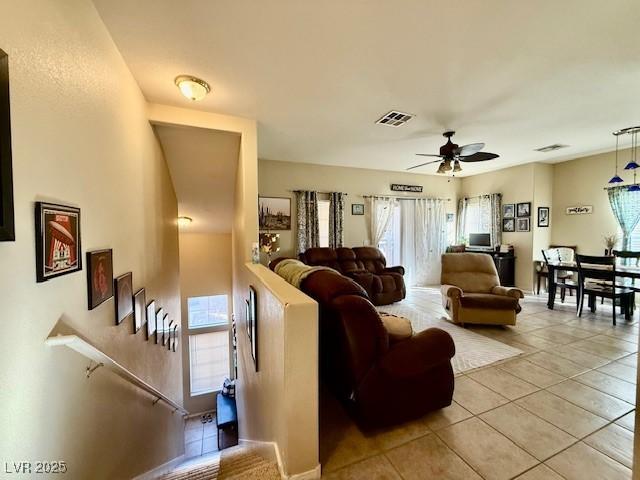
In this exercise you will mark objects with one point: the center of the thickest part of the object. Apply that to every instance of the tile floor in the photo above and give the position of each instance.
(564, 409)
(200, 438)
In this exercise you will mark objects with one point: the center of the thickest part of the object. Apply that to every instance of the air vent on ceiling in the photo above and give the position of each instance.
(551, 148)
(394, 118)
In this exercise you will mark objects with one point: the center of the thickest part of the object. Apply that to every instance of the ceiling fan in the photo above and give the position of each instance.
(452, 153)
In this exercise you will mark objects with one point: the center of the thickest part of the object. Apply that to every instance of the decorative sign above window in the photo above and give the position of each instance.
(580, 210)
(396, 187)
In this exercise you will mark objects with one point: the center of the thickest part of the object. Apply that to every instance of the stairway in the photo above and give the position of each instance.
(237, 463)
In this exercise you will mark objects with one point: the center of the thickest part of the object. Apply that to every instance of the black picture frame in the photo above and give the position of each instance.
(159, 329)
(165, 329)
(523, 209)
(174, 339)
(7, 219)
(124, 297)
(139, 310)
(167, 336)
(57, 233)
(252, 324)
(357, 209)
(99, 277)
(509, 210)
(151, 319)
(523, 224)
(544, 217)
(508, 224)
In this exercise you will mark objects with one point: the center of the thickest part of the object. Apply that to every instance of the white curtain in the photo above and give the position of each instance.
(380, 211)
(424, 240)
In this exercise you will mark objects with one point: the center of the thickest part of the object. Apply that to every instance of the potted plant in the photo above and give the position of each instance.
(610, 242)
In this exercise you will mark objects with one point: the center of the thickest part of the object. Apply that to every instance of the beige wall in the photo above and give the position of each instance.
(581, 182)
(516, 185)
(205, 269)
(542, 197)
(278, 179)
(81, 137)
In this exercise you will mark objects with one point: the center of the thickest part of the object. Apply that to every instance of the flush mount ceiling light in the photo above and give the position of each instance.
(192, 87)
(184, 221)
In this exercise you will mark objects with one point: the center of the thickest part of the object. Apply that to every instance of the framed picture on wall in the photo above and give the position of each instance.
(523, 209)
(508, 210)
(543, 216)
(523, 225)
(159, 329)
(124, 297)
(357, 209)
(7, 228)
(165, 329)
(99, 277)
(508, 224)
(274, 213)
(167, 335)
(252, 324)
(151, 319)
(58, 249)
(139, 310)
(174, 341)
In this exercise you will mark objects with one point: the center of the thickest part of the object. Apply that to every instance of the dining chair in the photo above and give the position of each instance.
(563, 278)
(630, 258)
(596, 278)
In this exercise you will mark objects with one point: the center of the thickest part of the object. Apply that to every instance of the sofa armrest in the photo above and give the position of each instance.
(507, 291)
(451, 291)
(418, 354)
(398, 269)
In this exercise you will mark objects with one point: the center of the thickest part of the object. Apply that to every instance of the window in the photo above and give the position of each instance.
(208, 361)
(323, 220)
(208, 311)
(635, 239)
(209, 346)
(473, 220)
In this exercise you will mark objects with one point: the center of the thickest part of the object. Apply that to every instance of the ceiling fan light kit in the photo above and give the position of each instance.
(451, 152)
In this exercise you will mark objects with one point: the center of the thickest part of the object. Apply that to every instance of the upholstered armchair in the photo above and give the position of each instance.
(471, 291)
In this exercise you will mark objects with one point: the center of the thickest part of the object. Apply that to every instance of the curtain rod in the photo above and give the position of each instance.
(323, 193)
(401, 197)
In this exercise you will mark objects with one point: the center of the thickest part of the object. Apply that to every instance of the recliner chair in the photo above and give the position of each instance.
(471, 291)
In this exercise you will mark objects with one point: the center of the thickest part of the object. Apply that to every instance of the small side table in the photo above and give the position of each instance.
(226, 416)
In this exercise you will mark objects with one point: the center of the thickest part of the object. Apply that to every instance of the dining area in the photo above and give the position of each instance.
(613, 278)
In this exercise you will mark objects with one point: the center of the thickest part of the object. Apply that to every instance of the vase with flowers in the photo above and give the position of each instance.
(610, 242)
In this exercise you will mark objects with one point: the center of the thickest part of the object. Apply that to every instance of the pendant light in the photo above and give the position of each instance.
(632, 165)
(616, 178)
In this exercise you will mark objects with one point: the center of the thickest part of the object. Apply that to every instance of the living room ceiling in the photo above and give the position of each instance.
(317, 75)
(203, 165)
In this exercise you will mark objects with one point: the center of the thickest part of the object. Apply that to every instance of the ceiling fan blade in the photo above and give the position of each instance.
(423, 164)
(429, 155)
(479, 157)
(467, 150)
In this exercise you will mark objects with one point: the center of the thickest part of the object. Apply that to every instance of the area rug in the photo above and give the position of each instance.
(472, 350)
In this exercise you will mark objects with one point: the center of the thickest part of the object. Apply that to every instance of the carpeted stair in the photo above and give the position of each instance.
(232, 464)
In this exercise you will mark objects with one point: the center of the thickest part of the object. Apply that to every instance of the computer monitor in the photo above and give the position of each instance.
(480, 240)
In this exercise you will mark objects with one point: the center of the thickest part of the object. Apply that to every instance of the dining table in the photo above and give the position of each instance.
(622, 271)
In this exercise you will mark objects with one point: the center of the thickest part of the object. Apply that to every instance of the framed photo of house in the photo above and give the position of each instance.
(151, 319)
(508, 210)
(274, 213)
(124, 297)
(508, 224)
(523, 209)
(58, 250)
(357, 209)
(543, 216)
(139, 310)
(159, 328)
(99, 277)
(7, 227)
(523, 224)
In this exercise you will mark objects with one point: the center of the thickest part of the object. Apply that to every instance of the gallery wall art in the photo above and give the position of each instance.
(139, 310)
(7, 228)
(159, 327)
(151, 319)
(124, 297)
(58, 249)
(274, 213)
(99, 277)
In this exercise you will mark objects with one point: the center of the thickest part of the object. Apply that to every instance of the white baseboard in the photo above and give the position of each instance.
(161, 469)
(270, 451)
